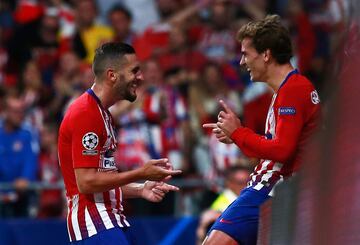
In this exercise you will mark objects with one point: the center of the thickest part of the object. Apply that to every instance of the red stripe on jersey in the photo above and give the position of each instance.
(117, 197)
(108, 207)
(69, 222)
(264, 171)
(94, 214)
(81, 217)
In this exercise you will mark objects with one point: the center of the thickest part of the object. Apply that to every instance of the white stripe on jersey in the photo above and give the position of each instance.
(74, 217)
(89, 223)
(100, 206)
(113, 206)
(276, 168)
(264, 166)
(69, 200)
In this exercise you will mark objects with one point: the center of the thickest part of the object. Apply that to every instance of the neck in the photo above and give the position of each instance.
(9, 127)
(103, 93)
(278, 75)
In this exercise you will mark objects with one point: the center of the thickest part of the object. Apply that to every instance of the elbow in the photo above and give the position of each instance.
(285, 154)
(85, 186)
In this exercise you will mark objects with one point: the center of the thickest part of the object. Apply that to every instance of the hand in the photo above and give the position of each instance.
(155, 191)
(159, 170)
(21, 184)
(219, 134)
(228, 122)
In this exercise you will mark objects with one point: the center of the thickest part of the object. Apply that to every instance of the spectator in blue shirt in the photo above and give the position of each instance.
(18, 158)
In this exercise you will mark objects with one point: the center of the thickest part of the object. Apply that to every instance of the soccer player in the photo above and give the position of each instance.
(292, 117)
(95, 188)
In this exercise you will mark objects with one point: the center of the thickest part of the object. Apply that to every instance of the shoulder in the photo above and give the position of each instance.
(84, 110)
(298, 86)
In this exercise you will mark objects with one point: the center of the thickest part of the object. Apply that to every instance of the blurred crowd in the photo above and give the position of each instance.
(190, 60)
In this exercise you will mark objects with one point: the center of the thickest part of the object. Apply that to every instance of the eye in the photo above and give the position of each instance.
(135, 70)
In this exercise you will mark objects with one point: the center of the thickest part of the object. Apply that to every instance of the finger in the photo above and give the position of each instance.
(226, 107)
(158, 197)
(166, 187)
(169, 166)
(173, 172)
(217, 130)
(222, 114)
(223, 139)
(160, 162)
(167, 178)
(158, 191)
(209, 125)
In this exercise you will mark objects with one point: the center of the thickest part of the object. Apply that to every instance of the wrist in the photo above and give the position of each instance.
(141, 192)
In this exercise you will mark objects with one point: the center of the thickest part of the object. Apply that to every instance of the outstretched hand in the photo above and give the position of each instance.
(155, 191)
(159, 170)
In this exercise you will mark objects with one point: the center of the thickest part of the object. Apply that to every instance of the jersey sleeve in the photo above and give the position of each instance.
(87, 139)
(290, 111)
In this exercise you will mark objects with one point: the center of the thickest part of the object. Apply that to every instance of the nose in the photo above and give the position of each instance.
(242, 60)
(140, 76)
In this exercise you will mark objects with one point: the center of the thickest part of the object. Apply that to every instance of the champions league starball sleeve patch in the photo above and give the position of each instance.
(90, 140)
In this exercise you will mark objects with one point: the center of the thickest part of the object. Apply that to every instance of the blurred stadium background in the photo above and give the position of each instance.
(190, 60)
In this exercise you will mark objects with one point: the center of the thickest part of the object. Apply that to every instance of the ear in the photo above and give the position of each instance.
(267, 55)
(110, 74)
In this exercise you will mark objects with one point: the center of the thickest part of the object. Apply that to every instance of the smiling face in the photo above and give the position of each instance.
(254, 62)
(128, 79)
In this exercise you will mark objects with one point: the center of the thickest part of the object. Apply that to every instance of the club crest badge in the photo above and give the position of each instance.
(315, 97)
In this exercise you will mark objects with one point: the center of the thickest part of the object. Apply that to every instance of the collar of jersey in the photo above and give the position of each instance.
(295, 71)
(92, 94)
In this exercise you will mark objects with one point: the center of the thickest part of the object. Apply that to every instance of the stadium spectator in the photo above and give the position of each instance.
(204, 109)
(217, 39)
(120, 20)
(292, 118)
(166, 113)
(51, 202)
(179, 53)
(42, 45)
(18, 157)
(87, 142)
(235, 179)
(89, 35)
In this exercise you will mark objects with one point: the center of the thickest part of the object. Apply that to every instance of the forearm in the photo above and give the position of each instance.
(92, 181)
(254, 145)
(132, 190)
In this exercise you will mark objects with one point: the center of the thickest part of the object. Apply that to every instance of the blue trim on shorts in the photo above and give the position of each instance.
(116, 235)
(240, 220)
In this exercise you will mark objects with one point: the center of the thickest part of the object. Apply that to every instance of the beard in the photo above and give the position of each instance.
(129, 95)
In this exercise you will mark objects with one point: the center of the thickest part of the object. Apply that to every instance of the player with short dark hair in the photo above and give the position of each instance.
(291, 119)
(94, 186)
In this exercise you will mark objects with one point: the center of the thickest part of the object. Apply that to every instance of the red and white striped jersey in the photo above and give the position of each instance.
(292, 118)
(87, 140)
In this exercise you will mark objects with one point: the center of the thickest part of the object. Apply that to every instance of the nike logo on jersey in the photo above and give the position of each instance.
(225, 221)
